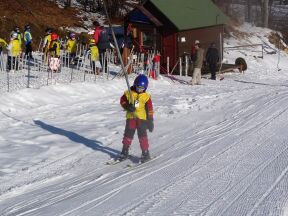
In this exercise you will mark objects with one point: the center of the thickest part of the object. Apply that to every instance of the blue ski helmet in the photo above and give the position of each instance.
(141, 81)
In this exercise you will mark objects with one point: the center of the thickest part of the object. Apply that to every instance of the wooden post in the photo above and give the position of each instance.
(186, 65)
(168, 66)
(180, 66)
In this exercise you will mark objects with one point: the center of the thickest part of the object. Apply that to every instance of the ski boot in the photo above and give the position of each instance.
(124, 154)
(145, 156)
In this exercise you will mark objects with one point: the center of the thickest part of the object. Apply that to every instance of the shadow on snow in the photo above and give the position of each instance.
(93, 144)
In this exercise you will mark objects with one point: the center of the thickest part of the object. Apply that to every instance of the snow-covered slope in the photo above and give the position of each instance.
(221, 147)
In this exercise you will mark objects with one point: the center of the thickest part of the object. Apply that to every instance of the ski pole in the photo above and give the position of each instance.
(118, 52)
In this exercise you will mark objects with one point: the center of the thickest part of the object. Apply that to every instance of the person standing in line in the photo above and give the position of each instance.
(54, 53)
(197, 64)
(71, 47)
(94, 56)
(28, 42)
(46, 43)
(102, 42)
(14, 50)
(139, 116)
(212, 58)
(19, 35)
(3, 43)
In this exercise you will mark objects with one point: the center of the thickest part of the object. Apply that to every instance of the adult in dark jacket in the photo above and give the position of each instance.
(101, 38)
(212, 58)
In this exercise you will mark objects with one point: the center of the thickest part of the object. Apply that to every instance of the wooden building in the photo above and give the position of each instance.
(172, 26)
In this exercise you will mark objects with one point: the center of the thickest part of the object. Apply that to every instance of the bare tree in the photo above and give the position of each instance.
(265, 12)
(249, 10)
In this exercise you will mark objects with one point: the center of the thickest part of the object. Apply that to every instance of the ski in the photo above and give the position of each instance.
(139, 163)
(114, 161)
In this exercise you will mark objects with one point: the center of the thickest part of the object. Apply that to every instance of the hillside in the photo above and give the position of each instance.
(38, 14)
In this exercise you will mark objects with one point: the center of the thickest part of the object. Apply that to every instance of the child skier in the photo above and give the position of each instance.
(54, 53)
(94, 57)
(139, 114)
(3, 44)
(46, 43)
(28, 42)
(71, 47)
(14, 51)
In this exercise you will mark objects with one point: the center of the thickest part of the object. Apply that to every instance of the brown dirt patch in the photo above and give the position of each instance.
(39, 14)
(274, 38)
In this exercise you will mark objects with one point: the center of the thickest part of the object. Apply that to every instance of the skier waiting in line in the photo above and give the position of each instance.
(102, 41)
(28, 42)
(19, 35)
(71, 46)
(54, 47)
(14, 51)
(46, 43)
(94, 56)
(3, 43)
(212, 58)
(54, 53)
(197, 64)
(139, 114)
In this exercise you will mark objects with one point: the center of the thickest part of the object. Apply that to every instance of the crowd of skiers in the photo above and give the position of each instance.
(98, 43)
(14, 46)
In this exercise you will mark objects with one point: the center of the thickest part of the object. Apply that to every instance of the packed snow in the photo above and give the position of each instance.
(220, 148)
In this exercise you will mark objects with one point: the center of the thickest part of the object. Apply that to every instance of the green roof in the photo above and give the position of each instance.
(191, 14)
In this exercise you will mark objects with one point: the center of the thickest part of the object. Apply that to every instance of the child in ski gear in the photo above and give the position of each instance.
(212, 58)
(46, 43)
(28, 42)
(19, 35)
(94, 56)
(3, 43)
(197, 64)
(14, 51)
(139, 114)
(54, 47)
(54, 53)
(71, 46)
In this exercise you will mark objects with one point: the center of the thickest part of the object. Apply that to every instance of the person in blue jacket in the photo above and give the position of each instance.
(28, 42)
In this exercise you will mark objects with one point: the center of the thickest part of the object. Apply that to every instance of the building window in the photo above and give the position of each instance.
(147, 38)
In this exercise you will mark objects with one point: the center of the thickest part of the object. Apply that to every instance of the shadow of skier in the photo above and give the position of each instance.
(93, 144)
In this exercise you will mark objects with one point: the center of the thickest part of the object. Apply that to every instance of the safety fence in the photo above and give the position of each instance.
(36, 72)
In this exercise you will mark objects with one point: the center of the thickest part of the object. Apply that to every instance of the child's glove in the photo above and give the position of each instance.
(130, 108)
(150, 125)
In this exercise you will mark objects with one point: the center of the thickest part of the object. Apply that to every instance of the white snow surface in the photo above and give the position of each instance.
(221, 147)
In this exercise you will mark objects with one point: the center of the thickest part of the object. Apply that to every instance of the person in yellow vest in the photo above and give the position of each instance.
(54, 47)
(54, 53)
(28, 42)
(139, 116)
(14, 51)
(71, 47)
(19, 35)
(3, 44)
(94, 56)
(46, 43)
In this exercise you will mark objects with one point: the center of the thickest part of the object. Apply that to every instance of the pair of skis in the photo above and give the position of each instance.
(115, 161)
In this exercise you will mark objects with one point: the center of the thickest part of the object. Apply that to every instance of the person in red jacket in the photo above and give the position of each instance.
(102, 42)
(139, 114)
